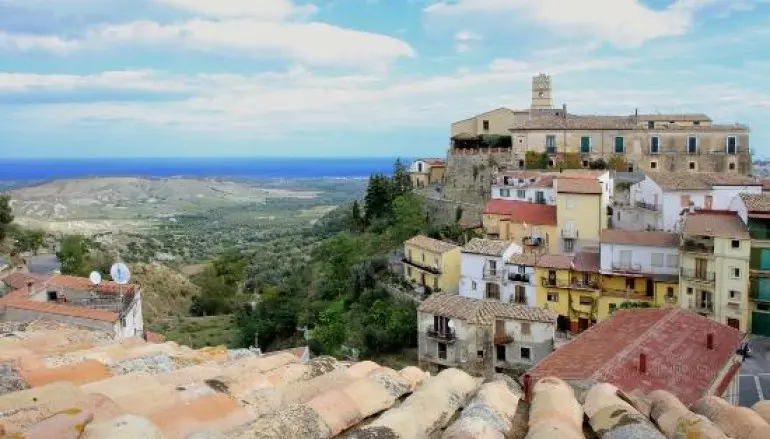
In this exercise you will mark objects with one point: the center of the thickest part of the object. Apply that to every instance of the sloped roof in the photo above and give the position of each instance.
(578, 186)
(556, 261)
(699, 180)
(430, 244)
(759, 203)
(482, 312)
(528, 259)
(675, 117)
(718, 224)
(523, 212)
(587, 261)
(674, 340)
(574, 122)
(72, 380)
(490, 247)
(640, 237)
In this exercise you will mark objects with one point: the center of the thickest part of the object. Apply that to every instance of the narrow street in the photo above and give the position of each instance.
(755, 373)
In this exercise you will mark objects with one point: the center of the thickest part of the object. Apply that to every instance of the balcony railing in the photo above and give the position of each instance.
(554, 283)
(494, 273)
(446, 336)
(531, 241)
(647, 206)
(574, 284)
(583, 285)
(435, 269)
(503, 339)
(697, 247)
(570, 233)
(518, 277)
(632, 268)
(698, 275)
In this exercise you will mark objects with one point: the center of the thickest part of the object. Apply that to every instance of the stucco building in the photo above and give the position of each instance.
(482, 336)
(483, 271)
(648, 142)
(426, 172)
(432, 263)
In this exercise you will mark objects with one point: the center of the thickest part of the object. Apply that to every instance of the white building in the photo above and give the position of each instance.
(662, 197)
(483, 272)
(538, 187)
(521, 274)
(482, 336)
(639, 251)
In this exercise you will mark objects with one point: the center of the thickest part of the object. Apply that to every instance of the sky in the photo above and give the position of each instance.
(199, 78)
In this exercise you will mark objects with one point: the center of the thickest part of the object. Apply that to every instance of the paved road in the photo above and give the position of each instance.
(755, 373)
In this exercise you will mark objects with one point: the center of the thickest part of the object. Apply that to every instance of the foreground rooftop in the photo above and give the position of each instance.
(64, 382)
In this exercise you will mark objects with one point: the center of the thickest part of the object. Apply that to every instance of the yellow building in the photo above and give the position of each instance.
(716, 251)
(432, 263)
(570, 286)
(531, 225)
(581, 216)
(426, 172)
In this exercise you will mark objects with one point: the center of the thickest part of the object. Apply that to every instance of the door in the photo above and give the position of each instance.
(582, 324)
(700, 268)
(650, 288)
(499, 328)
(708, 202)
(734, 323)
(760, 323)
(625, 258)
(764, 259)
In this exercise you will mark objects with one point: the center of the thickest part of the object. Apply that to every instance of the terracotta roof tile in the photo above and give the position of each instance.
(527, 259)
(640, 237)
(556, 261)
(578, 186)
(20, 280)
(83, 283)
(16, 302)
(482, 312)
(674, 341)
(489, 247)
(523, 212)
(756, 202)
(718, 224)
(574, 122)
(154, 337)
(587, 261)
(675, 117)
(698, 180)
(430, 244)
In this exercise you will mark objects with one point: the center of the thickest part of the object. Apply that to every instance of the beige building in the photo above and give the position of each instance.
(426, 172)
(432, 263)
(665, 142)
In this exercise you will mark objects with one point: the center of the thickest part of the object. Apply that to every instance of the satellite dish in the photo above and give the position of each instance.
(120, 273)
(95, 278)
(451, 324)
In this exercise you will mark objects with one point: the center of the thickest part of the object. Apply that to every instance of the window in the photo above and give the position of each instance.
(441, 324)
(123, 322)
(585, 144)
(492, 291)
(409, 255)
(500, 352)
(692, 145)
(691, 166)
(619, 146)
(612, 307)
(630, 283)
(551, 163)
(480, 354)
(731, 166)
(625, 258)
(653, 164)
(550, 143)
(526, 354)
(586, 300)
(505, 192)
(521, 162)
(435, 262)
(569, 245)
(651, 124)
(506, 180)
(735, 272)
(585, 163)
(734, 295)
(521, 194)
(422, 257)
(441, 351)
(657, 259)
(473, 285)
(519, 295)
(672, 261)
(485, 125)
(684, 201)
(526, 328)
(521, 269)
(553, 297)
(735, 243)
(732, 144)
(696, 122)
(689, 291)
(654, 145)
(670, 292)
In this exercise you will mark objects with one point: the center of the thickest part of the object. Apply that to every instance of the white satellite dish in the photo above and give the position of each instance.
(95, 278)
(120, 273)
(451, 324)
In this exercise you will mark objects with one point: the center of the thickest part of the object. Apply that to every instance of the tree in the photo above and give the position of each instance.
(378, 198)
(617, 163)
(402, 183)
(571, 160)
(73, 254)
(356, 220)
(408, 218)
(6, 214)
(458, 214)
(30, 240)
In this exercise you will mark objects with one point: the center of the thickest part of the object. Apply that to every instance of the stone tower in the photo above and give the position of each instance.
(542, 98)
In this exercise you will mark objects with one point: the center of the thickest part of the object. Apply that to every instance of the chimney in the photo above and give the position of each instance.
(528, 388)
(710, 341)
(29, 287)
(642, 363)
(636, 112)
(564, 110)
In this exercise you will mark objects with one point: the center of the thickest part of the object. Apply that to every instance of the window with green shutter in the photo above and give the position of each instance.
(550, 144)
(585, 144)
(619, 147)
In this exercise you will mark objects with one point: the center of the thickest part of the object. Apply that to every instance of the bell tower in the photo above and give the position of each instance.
(542, 98)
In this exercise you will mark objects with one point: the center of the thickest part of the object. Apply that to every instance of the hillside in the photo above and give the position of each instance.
(167, 294)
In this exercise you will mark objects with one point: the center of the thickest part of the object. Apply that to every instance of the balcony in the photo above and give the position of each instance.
(627, 268)
(447, 336)
(532, 241)
(583, 285)
(493, 273)
(518, 277)
(435, 269)
(554, 283)
(503, 339)
(569, 233)
(648, 206)
(698, 247)
(702, 306)
(698, 275)
(628, 293)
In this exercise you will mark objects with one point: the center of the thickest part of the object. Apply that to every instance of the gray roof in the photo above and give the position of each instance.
(488, 247)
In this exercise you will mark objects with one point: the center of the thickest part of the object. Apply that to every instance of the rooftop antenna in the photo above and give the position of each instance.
(121, 275)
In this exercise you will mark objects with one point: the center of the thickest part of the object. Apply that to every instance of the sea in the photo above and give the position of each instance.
(251, 167)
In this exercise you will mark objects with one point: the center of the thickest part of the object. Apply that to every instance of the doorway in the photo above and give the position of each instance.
(734, 323)
(650, 288)
(582, 324)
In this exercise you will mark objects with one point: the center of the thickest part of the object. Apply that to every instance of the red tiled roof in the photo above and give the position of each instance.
(82, 283)
(523, 212)
(154, 337)
(436, 163)
(716, 223)
(587, 261)
(674, 341)
(20, 280)
(17, 301)
(647, 238)
(578, 186)
(555, 260)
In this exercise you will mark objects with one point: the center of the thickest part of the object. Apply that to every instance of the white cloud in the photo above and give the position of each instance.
(466, 35)
(137, 80)
(271, 10)
(24, 42)
(624, 23)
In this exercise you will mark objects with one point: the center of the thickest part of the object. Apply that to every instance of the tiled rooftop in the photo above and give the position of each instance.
(759, 203)
(674, 341)
(578, 186)
(430, 244)
(675, 117)
(640, 237)
(526, 259)
(556, 261)
(587, 261)
(483, 312)
(698, 180)
(67, 383)
(489, 247)
(718, 224)
(573, 122)
(523, 212)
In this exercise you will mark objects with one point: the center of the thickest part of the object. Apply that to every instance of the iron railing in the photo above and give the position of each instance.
(431, 269)
(444, 335)
(647, 206)
(697, 247)
(698, 275)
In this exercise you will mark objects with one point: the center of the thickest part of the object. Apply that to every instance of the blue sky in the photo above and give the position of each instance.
(357, 77)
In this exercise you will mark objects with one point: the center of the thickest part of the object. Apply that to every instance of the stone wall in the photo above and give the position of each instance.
(468, 177)
(444, 211)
